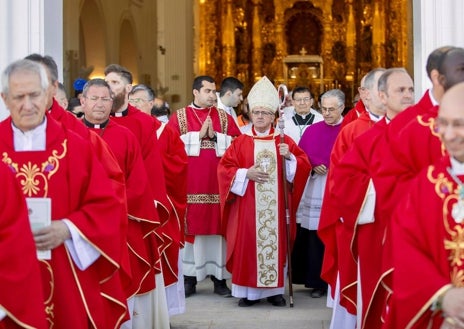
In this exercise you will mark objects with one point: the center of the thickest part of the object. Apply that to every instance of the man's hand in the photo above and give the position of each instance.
(204, 129)
(320, 170)
(255, 173)
(284, 150)
(210, 127)
(51, 236)
(453, 308)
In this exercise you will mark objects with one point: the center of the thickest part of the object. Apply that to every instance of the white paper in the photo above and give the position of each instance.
(40, 216)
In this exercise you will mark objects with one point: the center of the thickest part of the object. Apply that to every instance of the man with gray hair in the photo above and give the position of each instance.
(81, 241)
(317, 142)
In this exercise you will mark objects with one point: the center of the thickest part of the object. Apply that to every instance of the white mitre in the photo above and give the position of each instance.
(263, 94)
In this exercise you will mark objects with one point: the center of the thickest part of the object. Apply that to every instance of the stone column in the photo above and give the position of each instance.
(435, 25)
(378, 37)
(30, 26)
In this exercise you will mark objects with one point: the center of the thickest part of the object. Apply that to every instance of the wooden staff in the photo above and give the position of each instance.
(283, 92)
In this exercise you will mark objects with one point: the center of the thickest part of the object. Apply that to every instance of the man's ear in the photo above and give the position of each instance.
(434, 77)
(128, 88)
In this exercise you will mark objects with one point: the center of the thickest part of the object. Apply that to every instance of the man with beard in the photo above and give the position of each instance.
(144, 128)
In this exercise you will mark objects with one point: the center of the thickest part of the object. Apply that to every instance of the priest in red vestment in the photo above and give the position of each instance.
(21, 300)
(141, 212)
(361, 232)
(250, 179)
(60, 175)
(428, 285)
(144, 128)
(206, 133)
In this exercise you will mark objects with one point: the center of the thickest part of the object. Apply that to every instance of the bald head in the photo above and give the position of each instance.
(450, 121)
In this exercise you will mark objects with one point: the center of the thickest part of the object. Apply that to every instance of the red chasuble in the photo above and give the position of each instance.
(329, 214)
(175, 170)
(255, 224)
(354, 113)
(143, 126)
(143, 218)
(352, 176)
(21, 294)
(203, 209)
(427, 252)
(70, 175)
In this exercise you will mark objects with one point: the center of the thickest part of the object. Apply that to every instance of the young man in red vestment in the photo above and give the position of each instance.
(206, 132)
(250, 178)
(143, 219)
(144, 128)
(21, 300)
(361, 233)
(83, 243)
(428, 285)
(175, 170)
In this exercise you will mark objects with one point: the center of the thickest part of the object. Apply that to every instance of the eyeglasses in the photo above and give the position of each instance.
(329, 109)
(138, 100)
(263, 113)
(103, 99)
(303, 100)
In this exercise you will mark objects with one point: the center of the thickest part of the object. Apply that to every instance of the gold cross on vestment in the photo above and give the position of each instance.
(456, 246)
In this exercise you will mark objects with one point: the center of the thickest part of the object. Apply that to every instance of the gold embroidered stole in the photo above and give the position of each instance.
(267, 215)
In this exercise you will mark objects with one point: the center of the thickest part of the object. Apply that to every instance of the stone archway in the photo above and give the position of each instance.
(128, 51)
(92, 43)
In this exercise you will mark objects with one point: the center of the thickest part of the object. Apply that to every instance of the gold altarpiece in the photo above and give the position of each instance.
(321, 43)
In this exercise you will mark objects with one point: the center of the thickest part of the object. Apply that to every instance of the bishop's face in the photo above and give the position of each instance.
(262, 118)
(26, 100)
(96, 104)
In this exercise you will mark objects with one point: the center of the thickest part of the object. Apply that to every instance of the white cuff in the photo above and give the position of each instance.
(240, 182)
(222, 143)
(82, 252)
(290, 168)
(192, 143)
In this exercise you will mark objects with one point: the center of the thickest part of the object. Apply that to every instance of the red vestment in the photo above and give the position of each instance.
(175, 170)
(203, 208)
(239, 220)
(354, 113)
(329, 214)
(427, 252)
(21, 294)
(70, 175)
(143, 218)
(364, 242)
(143, 126)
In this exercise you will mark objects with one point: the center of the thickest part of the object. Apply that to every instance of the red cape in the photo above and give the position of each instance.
(238, 212)
(175, 170)
(354, 113)
(329, 214)
(69, 164)
(142, 214)
(22, 297)
(422, 226)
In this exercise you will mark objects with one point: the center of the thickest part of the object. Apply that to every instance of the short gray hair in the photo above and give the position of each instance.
(24, 65)
(382, 84)
(337, 93)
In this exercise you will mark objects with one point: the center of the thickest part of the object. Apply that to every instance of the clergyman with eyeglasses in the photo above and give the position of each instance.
(301, 115)
(250, 176)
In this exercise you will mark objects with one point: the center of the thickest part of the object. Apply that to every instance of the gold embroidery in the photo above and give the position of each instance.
(456, 246)
(430, 123)
(207, 144)
(202, 198)
(182, 119)
(30, 175)
(267, 213)
(457, 277)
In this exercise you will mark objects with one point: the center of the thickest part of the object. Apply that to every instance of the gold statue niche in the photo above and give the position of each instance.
(321, 44)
